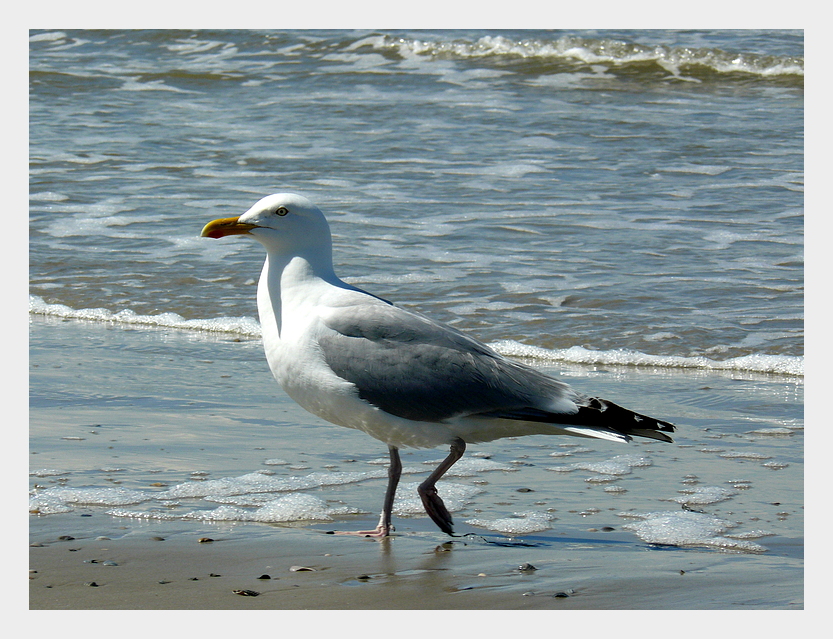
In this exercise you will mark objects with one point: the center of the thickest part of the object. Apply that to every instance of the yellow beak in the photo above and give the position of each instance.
(226, 226)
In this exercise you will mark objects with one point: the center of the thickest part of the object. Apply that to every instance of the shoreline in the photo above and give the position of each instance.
(163, 567)
(149, 410)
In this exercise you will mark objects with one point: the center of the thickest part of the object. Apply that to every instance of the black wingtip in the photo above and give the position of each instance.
(596, 413)
(628, 422)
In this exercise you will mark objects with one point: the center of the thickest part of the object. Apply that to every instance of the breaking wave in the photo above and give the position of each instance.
(250, 327)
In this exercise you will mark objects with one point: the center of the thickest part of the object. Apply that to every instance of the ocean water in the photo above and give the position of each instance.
(629, 197)
(623, 208)
(142, 428)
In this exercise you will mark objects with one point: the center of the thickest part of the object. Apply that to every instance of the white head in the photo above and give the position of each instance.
(288, 225)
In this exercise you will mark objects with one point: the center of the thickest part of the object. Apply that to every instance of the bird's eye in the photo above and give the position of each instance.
(282, 210)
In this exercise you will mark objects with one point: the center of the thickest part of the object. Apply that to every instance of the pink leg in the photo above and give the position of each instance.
(384, 528)
(434, 506)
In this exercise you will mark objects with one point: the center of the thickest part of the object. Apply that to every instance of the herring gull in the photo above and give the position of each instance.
(357, 360)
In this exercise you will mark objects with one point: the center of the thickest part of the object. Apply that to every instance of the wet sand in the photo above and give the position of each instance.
(163, 566)
(141, 408)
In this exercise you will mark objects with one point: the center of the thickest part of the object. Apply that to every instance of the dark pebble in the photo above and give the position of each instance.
(246, 593)
(525, 490)
(264, 577)
(363, 577)
(527, 568)
(213, 574)
(608, 528)
(205, 540)
(92, 584)
(561, 594)
(66, 538)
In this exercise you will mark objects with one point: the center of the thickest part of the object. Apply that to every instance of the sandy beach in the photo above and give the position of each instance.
(167, 567)
(145, 409)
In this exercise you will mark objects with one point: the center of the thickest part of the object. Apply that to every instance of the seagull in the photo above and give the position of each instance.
(357, 360)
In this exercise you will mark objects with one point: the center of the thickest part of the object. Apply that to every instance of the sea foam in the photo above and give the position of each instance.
(605, 52)
(521, 523)
(689, 529)
(759, 363)
(250, 327)
(615, 466)
(239, 325)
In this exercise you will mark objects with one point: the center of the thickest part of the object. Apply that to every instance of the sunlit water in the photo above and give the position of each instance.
(589, 200)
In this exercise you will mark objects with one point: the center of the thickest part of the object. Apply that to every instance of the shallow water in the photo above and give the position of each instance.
(161, 424)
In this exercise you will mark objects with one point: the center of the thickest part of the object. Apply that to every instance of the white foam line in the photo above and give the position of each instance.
(759, 363)
(239, 325)
(249, 326)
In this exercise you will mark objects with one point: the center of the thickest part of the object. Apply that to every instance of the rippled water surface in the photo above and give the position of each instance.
(611, 190)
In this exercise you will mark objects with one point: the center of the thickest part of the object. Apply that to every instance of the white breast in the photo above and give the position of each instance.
(291, 326)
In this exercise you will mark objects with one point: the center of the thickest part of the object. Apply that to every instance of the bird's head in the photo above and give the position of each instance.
(285, 223)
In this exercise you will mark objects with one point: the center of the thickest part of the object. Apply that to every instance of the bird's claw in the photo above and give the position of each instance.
(384, 529)
(436, 509)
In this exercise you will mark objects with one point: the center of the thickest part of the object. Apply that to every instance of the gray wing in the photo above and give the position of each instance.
(413, 367)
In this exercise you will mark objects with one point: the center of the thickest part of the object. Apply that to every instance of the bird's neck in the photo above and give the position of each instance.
(287, 284)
